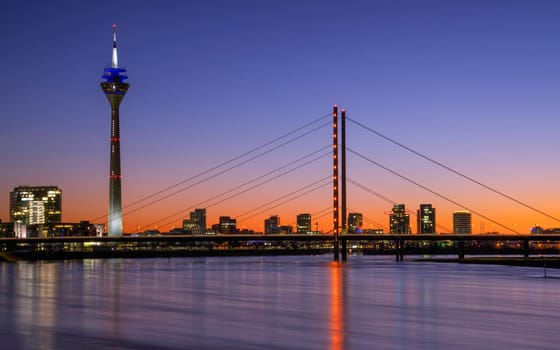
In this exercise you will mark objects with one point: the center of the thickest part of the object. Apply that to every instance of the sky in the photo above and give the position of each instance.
(471, 84)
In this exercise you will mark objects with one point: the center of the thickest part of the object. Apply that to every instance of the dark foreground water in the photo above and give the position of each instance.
(276, 303)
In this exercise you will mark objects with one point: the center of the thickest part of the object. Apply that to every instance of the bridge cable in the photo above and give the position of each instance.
(284, 196)
(430, 190)
(171, 222)
(454, 171)
(226, 162)
(222, 171)
(288, 200)
(249, 182)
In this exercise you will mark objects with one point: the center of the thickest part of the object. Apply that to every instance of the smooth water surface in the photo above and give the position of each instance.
(276, 302)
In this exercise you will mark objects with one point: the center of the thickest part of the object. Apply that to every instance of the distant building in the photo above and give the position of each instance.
(196, 224)
(426, 219)
(373, 231)
(355, 222)
(82, 228)
(553, 231)
(226, 225)
(272, 225)
(304, 223)
(399, 220)
(462, 222)
(99, 229)
(286, 230)
(33, 205)
(7, 230)
(13, 229)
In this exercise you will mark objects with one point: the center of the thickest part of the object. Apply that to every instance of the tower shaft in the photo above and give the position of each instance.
(115, 92)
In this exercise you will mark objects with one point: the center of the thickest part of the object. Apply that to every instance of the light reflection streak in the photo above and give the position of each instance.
(35, 310)
(337, 303)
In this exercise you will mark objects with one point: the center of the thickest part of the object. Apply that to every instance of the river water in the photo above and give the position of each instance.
(276, 302)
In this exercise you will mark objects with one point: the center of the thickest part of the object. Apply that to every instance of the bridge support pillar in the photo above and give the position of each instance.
(344, 250)
(461, 249)
(526, 248)
(335, 244)
(400, 249)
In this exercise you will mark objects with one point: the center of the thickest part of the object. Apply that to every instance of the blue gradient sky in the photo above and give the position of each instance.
(473, 84)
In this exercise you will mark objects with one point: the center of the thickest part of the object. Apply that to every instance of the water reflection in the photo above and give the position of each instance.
(33, 306)
(274, 303)
(337, 306)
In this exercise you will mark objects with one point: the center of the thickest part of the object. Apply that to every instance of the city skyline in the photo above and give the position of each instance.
(471, 84)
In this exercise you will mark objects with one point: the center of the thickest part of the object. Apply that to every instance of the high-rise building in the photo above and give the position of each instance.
(304, 223)
(115, 88)
(399, 220)
(196, 224)
(462, 222)
(36, 205)
(426, 219)
(355, 222)
(272, 225)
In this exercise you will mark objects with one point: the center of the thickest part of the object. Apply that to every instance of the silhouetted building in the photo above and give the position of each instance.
(462, 222)
(36, 205)
(399, 220)
(82, 228)
(426, 219)
(355, 222)
(21, 230)
(7, 230)
(272, 225)
(226, 225)
(304, 223)
(286, 230)
(373, 231)
(537, 230)
(115, 88)
(196, 224)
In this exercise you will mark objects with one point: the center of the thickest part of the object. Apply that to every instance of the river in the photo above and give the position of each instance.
(276, 302)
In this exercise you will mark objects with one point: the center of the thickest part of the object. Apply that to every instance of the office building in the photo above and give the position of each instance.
(226, 225)
(462, 222)
(115, 88)
(399, 220)
(304, 223)
(272, 225)
(355, 222)
(426, 219)
(35, 205)
(196, 224)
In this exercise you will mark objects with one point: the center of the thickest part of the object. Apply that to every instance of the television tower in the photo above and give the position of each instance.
(115, 88)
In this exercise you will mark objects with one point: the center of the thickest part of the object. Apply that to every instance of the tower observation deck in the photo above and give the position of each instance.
(115, 88)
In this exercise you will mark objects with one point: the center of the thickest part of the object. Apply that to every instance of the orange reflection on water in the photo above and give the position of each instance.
(336, 324)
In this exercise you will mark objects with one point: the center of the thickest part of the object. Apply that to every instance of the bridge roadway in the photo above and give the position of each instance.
(399, 241)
